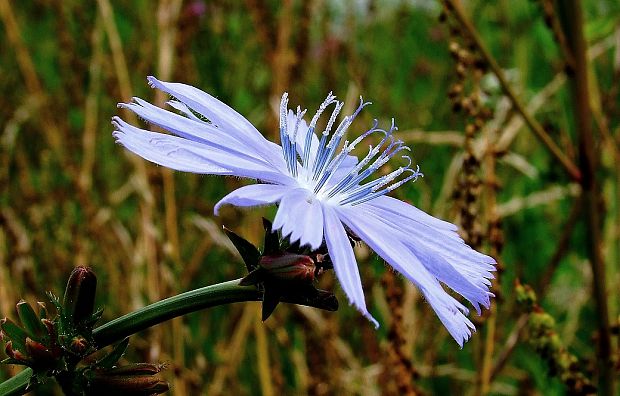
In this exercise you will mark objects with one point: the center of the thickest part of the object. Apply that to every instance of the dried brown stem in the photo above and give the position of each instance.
(538, 130)
(167, 18)
(495, 238)
(49, 126)
(573, 23)
(398, 366)
(551, 19)
(509, 347)
(562, 245)
(91, 107)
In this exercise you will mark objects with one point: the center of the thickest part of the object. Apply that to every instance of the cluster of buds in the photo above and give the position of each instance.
(546, 341)
(57, 346)
(34, 343)
(284, 271)
(53, 344)
(105, 376)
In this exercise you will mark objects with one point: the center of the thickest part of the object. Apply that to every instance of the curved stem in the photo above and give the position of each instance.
(181, 304)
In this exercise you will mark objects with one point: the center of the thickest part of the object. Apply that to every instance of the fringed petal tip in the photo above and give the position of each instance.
(118, 137)
(152, 81)
(459, 327)
(364, 311)
(118, 132)
(372, 320)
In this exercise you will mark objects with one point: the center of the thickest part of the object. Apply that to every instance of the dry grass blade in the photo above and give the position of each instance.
(49, 127)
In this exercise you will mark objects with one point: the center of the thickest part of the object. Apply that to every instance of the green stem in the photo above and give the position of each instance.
(172, 307)
(16, 385)
(161, 311)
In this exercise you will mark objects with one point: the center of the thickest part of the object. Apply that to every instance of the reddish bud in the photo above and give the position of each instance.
(79, 299)
(39, 354)
(15, 353)
(134, 379)
(137, 369)
(78, 345)
(289, 266)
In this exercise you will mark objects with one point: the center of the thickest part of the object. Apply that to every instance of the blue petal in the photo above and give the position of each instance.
(408, 211)
(311, 225)
(180, 106)
(144, 144)
(385, 241)
(300, 215)
(345, 266)
(217, 112)
(186, 155)
(253, 195)
(199, 131)
(470, 284)
(429, 241)
(444, 271)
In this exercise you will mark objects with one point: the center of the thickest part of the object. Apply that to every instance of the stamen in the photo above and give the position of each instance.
(326, 156)
(332, 167)
(387, 179)
(376, 184)
(332, 118)
(293, 142)
(354, 176)
(308, 142)
(321, 165)
(345, 123)
(329, 100)
(283, 112)
(319, 154)
(374, 128)
(284, 137)
(300, 116)
(414, 175)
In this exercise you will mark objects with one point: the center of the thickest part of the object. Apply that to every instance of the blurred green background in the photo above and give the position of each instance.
(70, 196)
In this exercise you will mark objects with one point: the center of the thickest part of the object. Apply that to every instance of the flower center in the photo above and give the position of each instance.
(324, 169)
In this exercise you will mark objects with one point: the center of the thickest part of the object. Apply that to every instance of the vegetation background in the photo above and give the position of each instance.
(475, 90)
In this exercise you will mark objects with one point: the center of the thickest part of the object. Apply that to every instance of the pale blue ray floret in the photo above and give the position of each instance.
(320, 188)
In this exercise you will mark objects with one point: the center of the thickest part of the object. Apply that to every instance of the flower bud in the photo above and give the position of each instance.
(289, 266)
(31, 322)
(42, 310)
(79, 299)
(132, 379)
(52, 333)
(40, 355)
(14, 333)
(137, 369)
(79, 345)
(15, 353)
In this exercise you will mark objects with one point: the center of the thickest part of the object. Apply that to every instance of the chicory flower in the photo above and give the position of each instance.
(322, 191)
